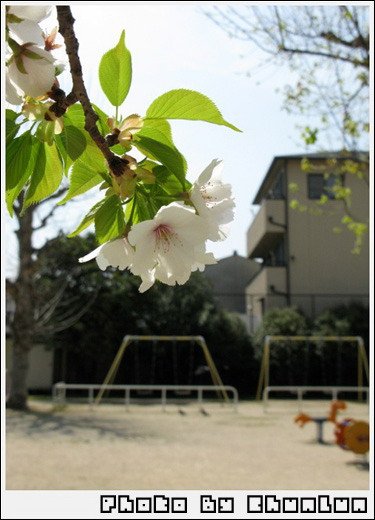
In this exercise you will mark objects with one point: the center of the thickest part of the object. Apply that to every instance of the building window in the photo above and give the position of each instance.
(277, 190)
(276, 256)
(319, 184)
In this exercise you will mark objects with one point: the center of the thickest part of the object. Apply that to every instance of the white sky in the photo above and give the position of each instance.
(174, 46)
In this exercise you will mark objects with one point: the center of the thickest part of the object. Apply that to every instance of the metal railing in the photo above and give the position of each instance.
(59, 391)
(300, 390)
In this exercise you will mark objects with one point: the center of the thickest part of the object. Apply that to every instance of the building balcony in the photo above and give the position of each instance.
(266, 229)
(269, 280)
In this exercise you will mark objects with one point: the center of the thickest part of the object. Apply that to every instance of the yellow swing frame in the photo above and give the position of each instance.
(264, 374)
(129, 339)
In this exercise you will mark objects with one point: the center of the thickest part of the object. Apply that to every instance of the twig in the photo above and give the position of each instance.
(45, 219)
(66, 21)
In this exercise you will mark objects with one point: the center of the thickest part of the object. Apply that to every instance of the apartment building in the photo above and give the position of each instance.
(304, 250)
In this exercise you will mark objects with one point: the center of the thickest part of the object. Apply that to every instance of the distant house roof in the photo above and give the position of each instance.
(229, 278)
(279, 160)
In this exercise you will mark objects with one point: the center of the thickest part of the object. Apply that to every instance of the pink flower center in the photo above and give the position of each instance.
(162, 232)
(165, 237)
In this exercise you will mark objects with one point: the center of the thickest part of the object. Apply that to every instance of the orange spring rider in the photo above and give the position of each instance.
(350, 434)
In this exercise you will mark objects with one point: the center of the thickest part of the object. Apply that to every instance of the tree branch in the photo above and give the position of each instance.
(62, 102)
(45, 219)
(308, 52)
(358, 42)
(66, 22)
(65, 321)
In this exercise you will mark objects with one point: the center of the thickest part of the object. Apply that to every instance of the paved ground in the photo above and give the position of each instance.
(144, 448)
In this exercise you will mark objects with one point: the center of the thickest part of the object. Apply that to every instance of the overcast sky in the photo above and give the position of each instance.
(176, 46)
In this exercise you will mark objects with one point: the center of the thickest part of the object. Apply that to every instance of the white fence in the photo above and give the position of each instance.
(59, 391)
(301, 390)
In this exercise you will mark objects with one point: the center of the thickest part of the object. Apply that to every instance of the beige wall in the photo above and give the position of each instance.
(261, 224)
(40, 372)
(321, 260)
(258, 290)
(268, 276)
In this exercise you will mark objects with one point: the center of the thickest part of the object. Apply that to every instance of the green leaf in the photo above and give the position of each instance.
(75, 116)
(19, 162)
(87, 220)
(161, 125)
(17, 158)
(186, 104)
(46, 132)
(160, 130)
(115, 72)
(139, 208)
(46, 176)
(11, 126)
(87, 172)
(74, 142)
(109, 220)
(154, 144)
(102, 122)
(168, 181)
(71, 143)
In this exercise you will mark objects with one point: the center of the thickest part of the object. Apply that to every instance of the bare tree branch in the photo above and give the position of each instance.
(330, 56)
(66, 320)
(44, 313)
(45, 219)
(285, 30)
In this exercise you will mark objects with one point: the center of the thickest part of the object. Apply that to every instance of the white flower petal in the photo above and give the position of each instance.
(12, 95)
(117, 253)
(148, 280)
(40, 73)
(37, 13)
(208, 172)
(213, 201)
(26, 31)
(91, 256)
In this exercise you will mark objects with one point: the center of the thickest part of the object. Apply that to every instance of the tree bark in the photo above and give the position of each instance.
(22, 325)
(17, 399)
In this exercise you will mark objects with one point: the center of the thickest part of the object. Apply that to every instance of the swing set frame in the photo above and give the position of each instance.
(129, 339)
(264, 375)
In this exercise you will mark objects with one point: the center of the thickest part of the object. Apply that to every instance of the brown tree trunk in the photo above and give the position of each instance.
(22, 326)
(17, 399)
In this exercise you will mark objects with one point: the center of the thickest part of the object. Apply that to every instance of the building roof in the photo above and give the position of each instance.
(279, 160)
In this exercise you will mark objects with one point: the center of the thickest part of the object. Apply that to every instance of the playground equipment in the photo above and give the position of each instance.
(59, 392)
(264, 375)
(350, 434)
(301, 419)
(183, 389)
(353, 435)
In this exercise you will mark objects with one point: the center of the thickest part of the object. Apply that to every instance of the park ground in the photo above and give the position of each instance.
(108, 447)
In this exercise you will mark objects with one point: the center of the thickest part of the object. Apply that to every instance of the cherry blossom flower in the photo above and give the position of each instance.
(32, 71)
(40, 111)
(170, 246)
(213, 201)
(116, 253)
(125, 131)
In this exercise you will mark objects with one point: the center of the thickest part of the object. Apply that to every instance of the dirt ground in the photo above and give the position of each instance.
(107, 447)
